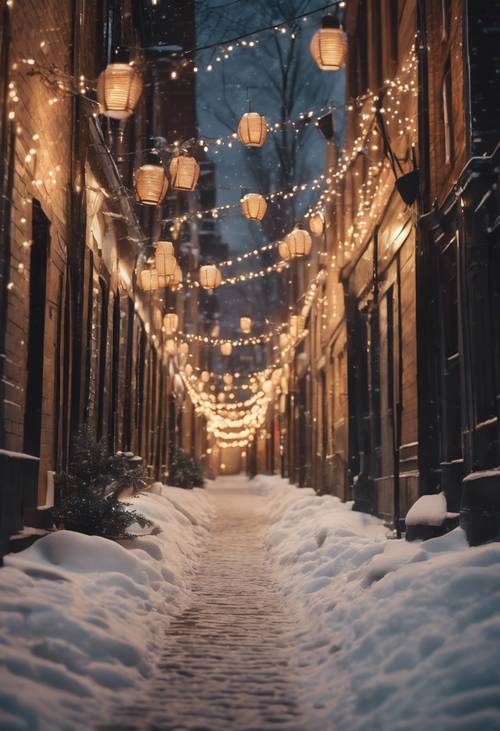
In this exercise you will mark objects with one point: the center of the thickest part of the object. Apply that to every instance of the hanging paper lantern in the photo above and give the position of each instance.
(170, 322)
(299, 243)
(221, 397)
(148, 280)
(228, 378)
(252, 129)
(183, 349)
(284, 251)
(151, 184)
(297, 323)
(165, 260)
(245, 324)
(119, 87)
(188, 370)
(184, 172)
(226, 349)
(210, 277)
(254, 206)
(328, 45)
(316, 223)
(205, 376)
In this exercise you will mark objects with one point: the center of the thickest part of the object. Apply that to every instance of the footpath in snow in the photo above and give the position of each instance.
(259, 606)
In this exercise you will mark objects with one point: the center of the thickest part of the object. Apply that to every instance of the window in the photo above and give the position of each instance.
(447, 115)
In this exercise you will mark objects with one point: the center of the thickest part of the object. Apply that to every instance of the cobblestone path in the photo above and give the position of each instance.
(225, 664)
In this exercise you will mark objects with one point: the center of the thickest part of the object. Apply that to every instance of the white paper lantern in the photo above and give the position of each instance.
(245, 324)
(299, 243)
(151, 184)
(205, 376)
(316, 223)
(210, 277)
(184, 172)
(226, 349)
(148, 280)
(228, 378)
(254, 206)
(119, 87)
(165, 260)
(170, 322)
(284, 251)
(252, 129)
(328, 45)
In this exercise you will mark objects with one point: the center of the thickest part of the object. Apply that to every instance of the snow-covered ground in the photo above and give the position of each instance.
(81, 617)
(403, 636)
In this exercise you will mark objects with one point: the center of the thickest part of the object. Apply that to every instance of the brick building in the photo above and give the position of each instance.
(394, 388)
(80, 343)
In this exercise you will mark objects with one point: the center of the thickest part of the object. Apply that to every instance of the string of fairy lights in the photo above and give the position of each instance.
(232, 421)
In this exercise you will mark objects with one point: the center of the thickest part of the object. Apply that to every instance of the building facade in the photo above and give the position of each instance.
(394, 388)
(80, 342)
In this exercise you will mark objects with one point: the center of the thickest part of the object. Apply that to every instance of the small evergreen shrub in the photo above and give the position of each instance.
(185, 471)
(91, 487)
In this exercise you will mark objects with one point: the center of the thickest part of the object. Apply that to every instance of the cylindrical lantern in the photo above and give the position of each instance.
(299, 243)
(151, 184)
(328, 46)
(228, 378)
(183, 349)
(252, 129)
(245, 324)
(210, 276)
(165, 260)
(297, 323)
(205, 376)
(170, 347)
(184, 172)
(284, 251)
(254, 206)
(316, 223)
(170, 322)
(149, 280)
(119, 87)
(226, 349)
(188, 370)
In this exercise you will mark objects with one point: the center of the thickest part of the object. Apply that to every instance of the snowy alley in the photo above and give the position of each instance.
(259, 606)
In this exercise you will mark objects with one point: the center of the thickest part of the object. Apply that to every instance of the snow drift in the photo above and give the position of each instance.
(80, 616)
(400, 636)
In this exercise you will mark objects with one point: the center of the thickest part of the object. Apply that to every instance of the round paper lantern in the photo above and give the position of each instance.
(226, 349)
(151, 184)
(188, 370)
(170, 322)
(183, 349)
(284, 251)
(221, 397)
(297, 323)
(209, 276)
(205, 376)
(328, 46)
(119, 87)
(165, 260)
(149, 280)
(245, 324)
(228, 378)
(254, 206)
(252, 129)
(299, 243)
(316, 223)
(184, 172)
